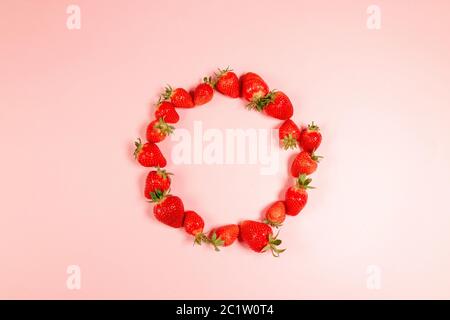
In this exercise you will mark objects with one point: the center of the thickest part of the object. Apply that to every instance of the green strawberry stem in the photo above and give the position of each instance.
(222, 72)
(167, 93)
(303, 182)
(272, 245)
(273, 223)
(209, 80)
(199, 238)
(313, 127)
(139, 145)
(315, 157)
(163, 173)
(289, 142)
(260, 104)
(216, 241)
(159, 196)
(164, 127)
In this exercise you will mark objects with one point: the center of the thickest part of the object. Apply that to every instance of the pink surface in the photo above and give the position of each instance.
(72, 102)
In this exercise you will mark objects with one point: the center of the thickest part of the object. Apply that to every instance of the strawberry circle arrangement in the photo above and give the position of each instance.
(169, 209)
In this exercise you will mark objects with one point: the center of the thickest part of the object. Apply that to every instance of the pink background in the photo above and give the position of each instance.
(72, 102)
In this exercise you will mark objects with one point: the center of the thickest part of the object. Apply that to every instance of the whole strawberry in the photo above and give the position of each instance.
(310, 138)
(149, 155)
(276, 104)
(276, 214)
(157, 179)
(168, 209)
(158, 130)
(259, 237)
(166, 110)
(227, 83)
(204, 92)
(304, 163)
(193, 224)
(253, 87)
(289, 134)
(179, 97)
(296, 196)
(224, 236)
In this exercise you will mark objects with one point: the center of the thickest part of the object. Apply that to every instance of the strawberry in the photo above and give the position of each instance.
(204, 92)
(276, 104)
(296, 196)
(253, 87)
(168, 209)
(179, 97)
(157, 180)
(193, 224)
(224, 236)
(289, 134)
(227, 83)
(149, 155)
(276, 214)
(166, 111)
(304, 163)
(310, 138)
(250, 76)
(158, 130)
(259, 237)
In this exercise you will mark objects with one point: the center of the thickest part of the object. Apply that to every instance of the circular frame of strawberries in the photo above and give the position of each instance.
(169, 209)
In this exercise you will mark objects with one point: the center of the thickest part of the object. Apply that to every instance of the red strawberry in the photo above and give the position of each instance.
(157, 180)
(276, 214)
(250, 76)
(253, 87)
(166, 111)
(168, 209)
(204, 92)
(158, 130)
(224, 236)
(149, 155)
(311, 138)
(289, 134)
(296, 196)
(193, 224)
(276, 104)
(304, 163)
(227, 83)
(259, 237)
(179, 97)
